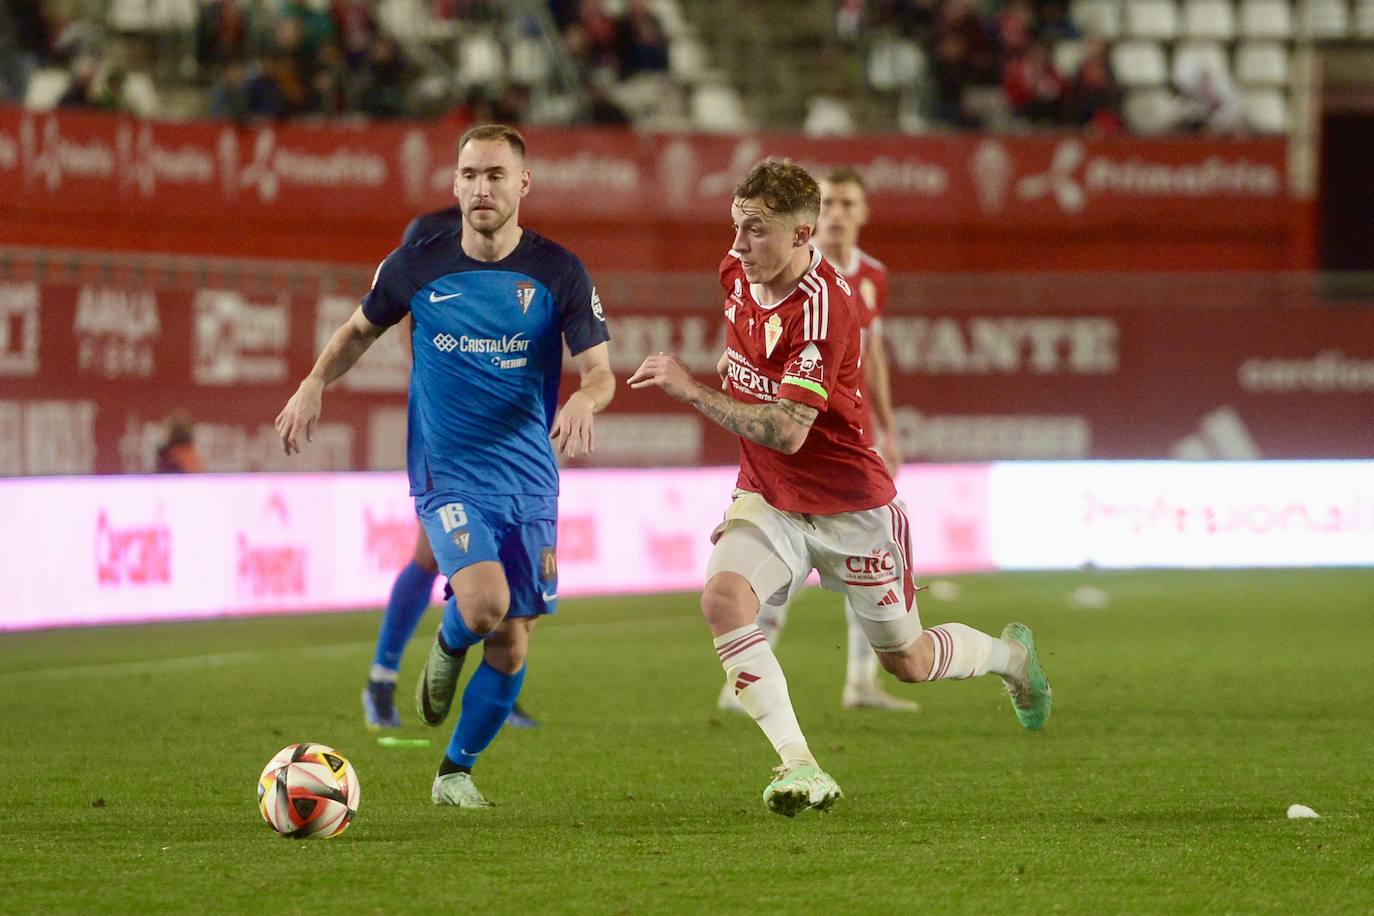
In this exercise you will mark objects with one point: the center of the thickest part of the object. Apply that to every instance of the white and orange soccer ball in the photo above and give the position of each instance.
(308, 791)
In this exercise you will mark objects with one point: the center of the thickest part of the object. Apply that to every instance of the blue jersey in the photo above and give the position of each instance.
(487, 339)
(427, 224)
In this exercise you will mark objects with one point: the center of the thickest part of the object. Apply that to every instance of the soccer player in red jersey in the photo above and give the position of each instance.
(844, 211)
(811, 492)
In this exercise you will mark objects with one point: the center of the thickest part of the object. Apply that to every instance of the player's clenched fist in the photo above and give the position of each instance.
(299, 415)
(666, 371)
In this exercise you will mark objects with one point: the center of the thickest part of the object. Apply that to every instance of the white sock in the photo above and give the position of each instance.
(861, 666)
(962, 652)
(753, 672)
(382, 675)
(772, 618)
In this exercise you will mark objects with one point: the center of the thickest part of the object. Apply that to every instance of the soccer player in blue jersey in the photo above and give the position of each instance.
(414, 584)
(492, 304)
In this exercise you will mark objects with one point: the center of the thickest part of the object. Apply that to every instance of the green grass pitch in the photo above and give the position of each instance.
(1189, 714)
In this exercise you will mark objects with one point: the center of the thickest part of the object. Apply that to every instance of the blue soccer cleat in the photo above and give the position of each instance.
(379, 705)
(519, 718)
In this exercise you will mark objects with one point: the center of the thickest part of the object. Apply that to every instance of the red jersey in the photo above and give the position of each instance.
(804, 349)
(867, 277)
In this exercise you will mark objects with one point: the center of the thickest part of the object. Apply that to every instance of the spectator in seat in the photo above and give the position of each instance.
(1094, 97)
(382, 90)
(178, 453)
(1208, 101)
(1055, 24)
(641, 43)
(84, 89)
(356, 28)
(1015, 28)
(1034, 89)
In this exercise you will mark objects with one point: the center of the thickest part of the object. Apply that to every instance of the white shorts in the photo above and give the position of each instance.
(863, 555)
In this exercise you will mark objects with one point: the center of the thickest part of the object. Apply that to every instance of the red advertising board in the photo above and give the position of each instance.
(96, 350)
(633, 201)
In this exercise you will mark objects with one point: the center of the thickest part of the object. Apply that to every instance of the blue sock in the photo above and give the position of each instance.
(409, 598)
(487, 702)
(454, 632)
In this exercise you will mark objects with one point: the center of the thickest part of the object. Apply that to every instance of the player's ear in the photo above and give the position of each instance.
(456, 179)
(524, 182)
(802, 234)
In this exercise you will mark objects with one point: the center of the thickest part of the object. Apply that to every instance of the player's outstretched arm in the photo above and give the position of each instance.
(879, 384)
(349, 342)
(783, 426)
(572, 432)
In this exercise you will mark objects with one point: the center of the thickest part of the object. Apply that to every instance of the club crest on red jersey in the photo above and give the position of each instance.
(772, 330)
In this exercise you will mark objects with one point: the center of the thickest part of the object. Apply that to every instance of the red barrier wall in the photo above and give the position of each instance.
(634, 202)
(95, 350)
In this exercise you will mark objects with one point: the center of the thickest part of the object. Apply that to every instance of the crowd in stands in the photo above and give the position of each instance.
(1011, 50)
(287, 59)
(970, 64)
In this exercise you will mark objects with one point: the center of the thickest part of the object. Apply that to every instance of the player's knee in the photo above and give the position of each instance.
(505, 649)
(728, 602)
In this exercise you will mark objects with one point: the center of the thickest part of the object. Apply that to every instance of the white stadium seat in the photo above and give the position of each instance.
(716, 108)
(1211, 19)
(1067, 56)
(1150, 111)
(1262, 63)
(895, 64)
(1266, 110)
(1098, 18)
(405, 20)
(129, 15)
(1324, 19)
(45, 88)
(1364, 18)
(827, 116)
(480, 60)
(529, 61)
(1266, 19)
(686, 60)
(1157, 19)
(1139, 63)
(1192, 55)
(139, 95)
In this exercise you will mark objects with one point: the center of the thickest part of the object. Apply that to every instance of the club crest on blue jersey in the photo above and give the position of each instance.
(524, 292)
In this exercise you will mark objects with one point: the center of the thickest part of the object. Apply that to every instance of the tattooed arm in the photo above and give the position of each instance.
(783, 426)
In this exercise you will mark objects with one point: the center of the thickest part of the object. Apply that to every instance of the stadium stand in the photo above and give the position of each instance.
(1146, 66)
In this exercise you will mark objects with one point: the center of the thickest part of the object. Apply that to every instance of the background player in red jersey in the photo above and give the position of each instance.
(811, 492)
(844, 210)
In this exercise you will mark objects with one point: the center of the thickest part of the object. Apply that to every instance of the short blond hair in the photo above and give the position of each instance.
(494, 132)
(785, 188)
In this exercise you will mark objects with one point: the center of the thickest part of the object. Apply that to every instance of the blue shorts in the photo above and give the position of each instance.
(519, 532)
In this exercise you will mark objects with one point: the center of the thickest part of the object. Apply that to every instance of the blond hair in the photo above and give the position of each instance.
(494, 132)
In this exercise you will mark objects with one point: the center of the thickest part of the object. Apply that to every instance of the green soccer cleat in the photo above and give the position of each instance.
(800, 787)
(1031, 696)
(437, 685)
(457, 790)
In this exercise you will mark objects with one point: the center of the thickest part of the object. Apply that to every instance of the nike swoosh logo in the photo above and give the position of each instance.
(437, 298)
(548, 597)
